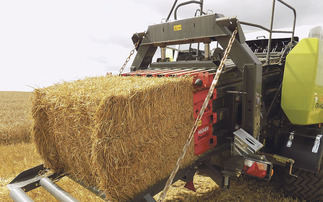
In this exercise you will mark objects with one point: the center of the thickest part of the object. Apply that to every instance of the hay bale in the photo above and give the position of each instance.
(122, 134)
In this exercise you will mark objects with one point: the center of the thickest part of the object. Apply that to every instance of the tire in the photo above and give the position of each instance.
(307, 186)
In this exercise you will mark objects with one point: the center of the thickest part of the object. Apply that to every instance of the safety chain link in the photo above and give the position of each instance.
(206, 101)
(128, 58)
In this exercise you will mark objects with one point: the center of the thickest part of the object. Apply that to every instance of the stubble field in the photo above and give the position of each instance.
(19, 153)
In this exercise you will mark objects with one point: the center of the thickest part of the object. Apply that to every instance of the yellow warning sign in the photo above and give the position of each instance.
(177, 27)
(200, 123)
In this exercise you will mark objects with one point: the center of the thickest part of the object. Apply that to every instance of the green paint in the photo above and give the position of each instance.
(302, 90)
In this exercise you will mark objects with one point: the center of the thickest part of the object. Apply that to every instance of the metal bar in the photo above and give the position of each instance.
(271, 26)
(201, 12)
(207, 51)
(59, 193)
(163, 53)
(270, 32)
(278, 31)
(189, 72)
(198, 49)
(18, 195)
(294, 11)
(171, 10)
(183, 4)
(92, 189)
(264, 28)
(254, 25)
(154, 73)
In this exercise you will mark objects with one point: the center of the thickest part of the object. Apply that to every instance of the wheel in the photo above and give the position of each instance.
(307, 185)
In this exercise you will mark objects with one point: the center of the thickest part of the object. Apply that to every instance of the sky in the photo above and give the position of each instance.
(43, 42)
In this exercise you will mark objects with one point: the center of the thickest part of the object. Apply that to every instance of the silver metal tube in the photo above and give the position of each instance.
(163, 53)
(264, 28)
(59, 193)
(294, 11)
(18, 194)
(207, 51)
(201, 11)
(254, 25)
(171, 10)
(272, 18)
(270, 33)
(185, 3)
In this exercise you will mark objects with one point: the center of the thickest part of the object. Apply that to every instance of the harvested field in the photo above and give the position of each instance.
(21, 156)
(14, 122)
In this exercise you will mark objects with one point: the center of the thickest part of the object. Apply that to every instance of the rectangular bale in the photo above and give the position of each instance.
(121, 134)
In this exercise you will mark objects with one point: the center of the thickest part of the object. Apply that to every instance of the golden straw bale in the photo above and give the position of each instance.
(122, 134)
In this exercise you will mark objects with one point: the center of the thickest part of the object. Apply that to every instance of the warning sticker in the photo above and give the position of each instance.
(177, 27)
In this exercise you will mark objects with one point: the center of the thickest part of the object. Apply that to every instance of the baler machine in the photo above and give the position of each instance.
(243, 122)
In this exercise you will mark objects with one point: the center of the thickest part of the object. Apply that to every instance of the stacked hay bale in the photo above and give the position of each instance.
(121, 134)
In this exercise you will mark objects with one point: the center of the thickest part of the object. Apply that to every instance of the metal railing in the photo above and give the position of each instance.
(271, 31)
(33, 178)
(183, 4)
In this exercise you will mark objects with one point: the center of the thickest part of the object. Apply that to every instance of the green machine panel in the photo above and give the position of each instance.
(302, 90)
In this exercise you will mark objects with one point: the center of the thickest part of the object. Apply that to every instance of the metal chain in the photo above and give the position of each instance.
(128, 58)
(206, 101)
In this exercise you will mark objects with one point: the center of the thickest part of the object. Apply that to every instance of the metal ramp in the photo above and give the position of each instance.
(33, 178)
(41, 176)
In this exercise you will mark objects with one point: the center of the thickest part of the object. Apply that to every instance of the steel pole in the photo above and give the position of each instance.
(207, 51)
(59, 193)
(271, 32)
(294, 12)
(18, 194)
